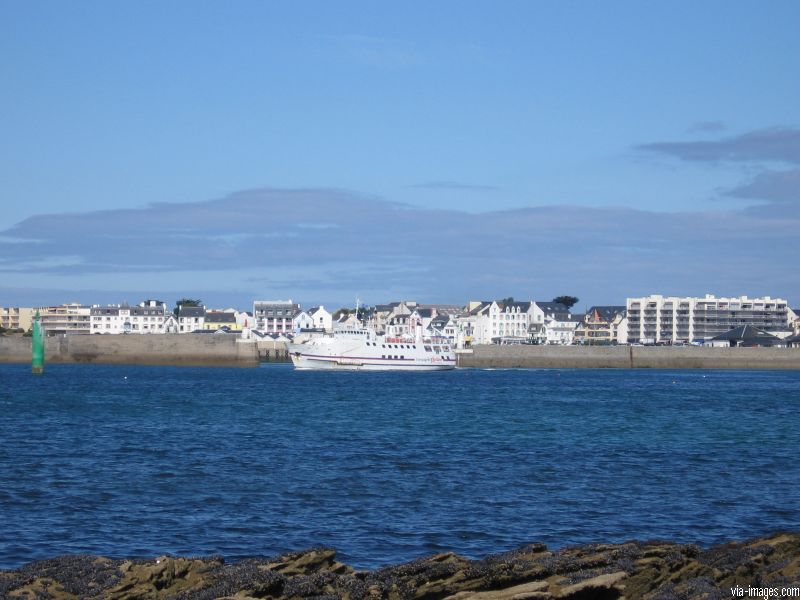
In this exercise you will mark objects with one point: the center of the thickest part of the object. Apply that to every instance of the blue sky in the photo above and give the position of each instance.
(436, 151)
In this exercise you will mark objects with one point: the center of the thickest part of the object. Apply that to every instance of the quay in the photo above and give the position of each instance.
(229, 350)
(210, 350)
(627, 357)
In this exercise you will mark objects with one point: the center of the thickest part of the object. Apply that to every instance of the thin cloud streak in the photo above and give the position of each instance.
(776, 144)
(454, 185)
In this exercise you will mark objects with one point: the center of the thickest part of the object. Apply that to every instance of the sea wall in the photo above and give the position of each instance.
(629, 357)
(224, 350)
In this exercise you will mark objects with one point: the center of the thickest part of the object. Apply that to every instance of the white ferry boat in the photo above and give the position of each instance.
(361, 348)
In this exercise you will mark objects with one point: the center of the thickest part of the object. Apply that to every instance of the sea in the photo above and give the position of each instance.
(388, 467)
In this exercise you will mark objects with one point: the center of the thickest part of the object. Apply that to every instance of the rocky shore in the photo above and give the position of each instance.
(657, 570)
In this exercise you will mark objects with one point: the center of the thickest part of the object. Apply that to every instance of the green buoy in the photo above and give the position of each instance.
(37, 346)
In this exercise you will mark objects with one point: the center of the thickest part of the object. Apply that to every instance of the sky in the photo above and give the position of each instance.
(434, 151)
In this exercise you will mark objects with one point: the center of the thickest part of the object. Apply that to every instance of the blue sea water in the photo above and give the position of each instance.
(386, 467)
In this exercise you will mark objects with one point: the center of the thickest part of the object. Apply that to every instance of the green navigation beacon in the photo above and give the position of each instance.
(37, 346)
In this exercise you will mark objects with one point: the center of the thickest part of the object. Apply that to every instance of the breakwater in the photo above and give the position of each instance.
(219, 350)
(628, 357)
(231, 350)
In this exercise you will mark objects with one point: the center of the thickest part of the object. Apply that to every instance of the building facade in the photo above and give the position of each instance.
(147, 317)
(672, 319)
(600, 326)
(190, 318)
(321, 318)
(559, 324)
(499, 322)
(66, 319)
(16, 317)
(214, 320)
(274, 316)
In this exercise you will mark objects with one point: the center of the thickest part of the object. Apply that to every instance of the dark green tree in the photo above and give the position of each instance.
(568, 301)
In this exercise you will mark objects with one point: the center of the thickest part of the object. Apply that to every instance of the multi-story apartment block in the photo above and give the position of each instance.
(671, 319)
(601, 325)
(274, 316)
(16, 318)
(500, 321)
(66, 319)
(148, 317)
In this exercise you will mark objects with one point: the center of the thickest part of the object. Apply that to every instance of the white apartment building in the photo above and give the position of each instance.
(655, 318)
(498, 321)
(191, 318)
(147, 317)
(274, 316)
(559, 324)
(66, 319)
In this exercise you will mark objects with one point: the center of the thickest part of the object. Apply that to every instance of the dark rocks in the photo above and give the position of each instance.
(653, 570)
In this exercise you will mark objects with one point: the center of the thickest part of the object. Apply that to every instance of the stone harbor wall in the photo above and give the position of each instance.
(224, 350)
(230, 350)
(629, 357)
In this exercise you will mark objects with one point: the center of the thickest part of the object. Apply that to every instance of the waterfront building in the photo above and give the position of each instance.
(321, 318)
(395, 318)
(190, 318)
(600, 325)
(302, 321)
(214, 320)
(672, 319)
(501, 321)
(16, 317)
(274, 316)
(170, 323)
(445, 326)
(747, 336)
(244, 320)
(794, 320)
(559, 324)
(66, 319)
(147, 317)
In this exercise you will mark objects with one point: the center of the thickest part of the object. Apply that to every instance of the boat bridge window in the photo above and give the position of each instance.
(427, 348)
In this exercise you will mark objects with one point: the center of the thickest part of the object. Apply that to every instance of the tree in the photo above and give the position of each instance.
(186, 302)
(509, 300)
(568, 301)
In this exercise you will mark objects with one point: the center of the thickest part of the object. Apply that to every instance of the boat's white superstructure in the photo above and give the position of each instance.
(361, 348)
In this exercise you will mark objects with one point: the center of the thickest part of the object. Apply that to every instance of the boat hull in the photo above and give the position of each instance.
(303, 359)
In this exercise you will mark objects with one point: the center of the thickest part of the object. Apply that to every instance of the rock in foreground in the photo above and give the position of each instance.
(657, 570)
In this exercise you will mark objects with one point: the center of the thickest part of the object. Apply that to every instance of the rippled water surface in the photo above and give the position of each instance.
(142, 461)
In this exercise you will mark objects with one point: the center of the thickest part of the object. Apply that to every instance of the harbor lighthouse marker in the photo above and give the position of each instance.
(37, 346)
